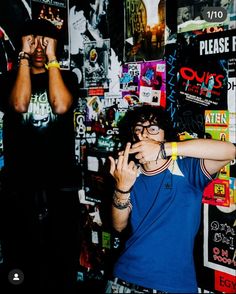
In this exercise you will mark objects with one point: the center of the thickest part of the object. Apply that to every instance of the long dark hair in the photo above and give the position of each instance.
(153, 114)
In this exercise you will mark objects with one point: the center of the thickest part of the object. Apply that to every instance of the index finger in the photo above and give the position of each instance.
(126, 153)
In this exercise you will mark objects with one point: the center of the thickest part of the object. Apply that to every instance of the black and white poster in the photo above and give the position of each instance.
(219, 238)
(96, 64)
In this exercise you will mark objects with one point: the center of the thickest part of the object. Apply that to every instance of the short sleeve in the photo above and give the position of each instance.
(194, 170)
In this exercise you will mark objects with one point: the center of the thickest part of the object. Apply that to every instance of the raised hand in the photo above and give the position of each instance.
(123, 172)
(146, 150)
(29, 44)
(49, 46)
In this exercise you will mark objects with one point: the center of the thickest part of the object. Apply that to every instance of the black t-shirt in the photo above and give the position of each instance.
(39, 146)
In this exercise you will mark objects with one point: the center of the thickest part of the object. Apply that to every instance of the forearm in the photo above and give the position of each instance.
(120, 218)
(121, 208)
(204, 148)
(21, 91)
(59, 96)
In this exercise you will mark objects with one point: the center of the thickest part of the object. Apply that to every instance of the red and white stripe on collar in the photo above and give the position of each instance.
(156, 171)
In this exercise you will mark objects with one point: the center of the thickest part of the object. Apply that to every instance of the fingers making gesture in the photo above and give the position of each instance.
(123, 171)
(145, 150)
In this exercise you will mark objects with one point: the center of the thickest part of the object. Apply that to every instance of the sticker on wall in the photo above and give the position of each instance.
(217, 193)
(225, 283)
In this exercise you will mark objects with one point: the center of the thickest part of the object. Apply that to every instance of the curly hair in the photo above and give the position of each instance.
(144, 113)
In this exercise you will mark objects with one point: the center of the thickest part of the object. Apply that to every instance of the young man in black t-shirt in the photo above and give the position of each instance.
(40, 207)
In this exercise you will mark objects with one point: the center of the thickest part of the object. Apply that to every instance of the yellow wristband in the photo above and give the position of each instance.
(174, 150)
(53, 63)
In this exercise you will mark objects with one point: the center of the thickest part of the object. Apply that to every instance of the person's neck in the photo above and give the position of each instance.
(37, 70)
(152, 165)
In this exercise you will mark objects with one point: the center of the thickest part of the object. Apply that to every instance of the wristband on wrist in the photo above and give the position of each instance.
(117, 203)
(24, 62)
(162, 150)
(122, 206)
(53, 63)
(23, 55)
(174, 150)
(159, 152)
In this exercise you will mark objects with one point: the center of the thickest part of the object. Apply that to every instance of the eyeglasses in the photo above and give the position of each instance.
(151, 129)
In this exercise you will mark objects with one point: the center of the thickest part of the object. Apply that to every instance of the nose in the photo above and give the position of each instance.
(144, 133)
(39, 47)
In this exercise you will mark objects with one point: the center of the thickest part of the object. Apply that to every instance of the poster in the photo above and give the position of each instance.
(56, 12)
(144, 29)
(217, 192)
(130, 76)
(202, 79)
(96, 21)
(96, 64)
(219, 238)
(225, 283)
(152, 86)
(217, 127)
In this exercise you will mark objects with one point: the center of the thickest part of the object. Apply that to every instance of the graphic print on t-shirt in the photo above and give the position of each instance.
(39, 114)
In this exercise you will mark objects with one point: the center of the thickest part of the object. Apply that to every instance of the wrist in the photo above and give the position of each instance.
(23, 55)
(24, 63)
(121, 203)
(53, 63)
(23, 60)
(122, 190)
(162, 151)
(174, 150)
(52, 58)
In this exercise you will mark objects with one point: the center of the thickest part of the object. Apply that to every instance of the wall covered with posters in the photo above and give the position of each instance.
(130, 52)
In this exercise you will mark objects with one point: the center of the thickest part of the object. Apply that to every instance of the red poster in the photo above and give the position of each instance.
(225, 282)
(217, 193)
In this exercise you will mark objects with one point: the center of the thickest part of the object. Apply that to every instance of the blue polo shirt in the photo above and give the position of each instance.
(164, 221)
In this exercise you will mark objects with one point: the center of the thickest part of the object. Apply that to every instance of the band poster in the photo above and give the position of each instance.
(219, 238)
(96, 64)
(144, 30)
(57, 13)
(202, 81)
